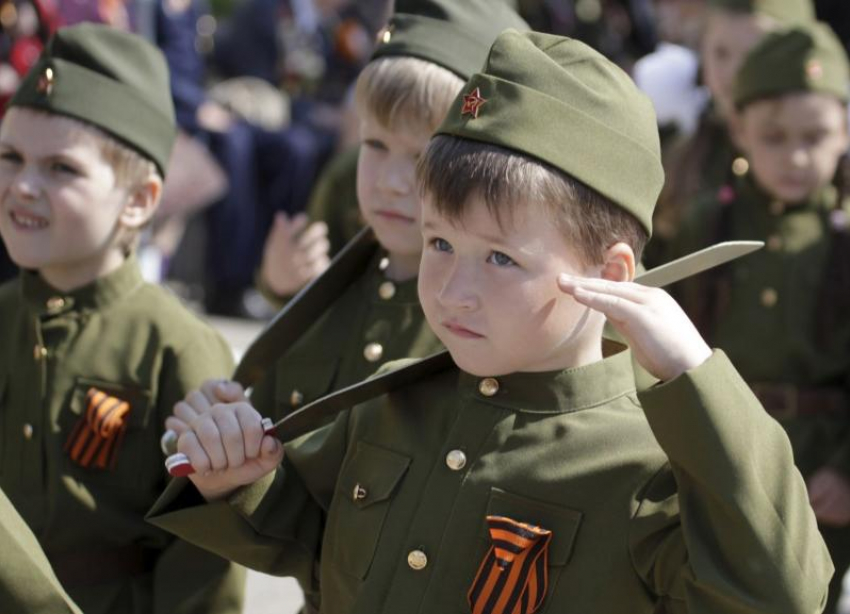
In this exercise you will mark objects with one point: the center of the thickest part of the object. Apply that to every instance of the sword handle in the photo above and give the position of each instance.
(178, 464)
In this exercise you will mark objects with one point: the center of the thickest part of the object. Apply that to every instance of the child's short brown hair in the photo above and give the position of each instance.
(454, 169)
(406, 92)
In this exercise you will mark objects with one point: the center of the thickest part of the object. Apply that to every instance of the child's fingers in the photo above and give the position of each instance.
(190, 445)
(199, 401)
(207, 432)
(232, 438)
(615, 308)
(250, 423)
(295, 226)
(185, 412)
(316, 232)
(173, 423)
(629, 291)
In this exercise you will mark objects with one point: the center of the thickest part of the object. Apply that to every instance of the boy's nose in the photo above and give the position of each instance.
(396, 178)
(800, 157)
(26, 183)
(458, 291)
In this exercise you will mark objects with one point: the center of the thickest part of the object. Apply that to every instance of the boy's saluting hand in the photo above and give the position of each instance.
(664, 340)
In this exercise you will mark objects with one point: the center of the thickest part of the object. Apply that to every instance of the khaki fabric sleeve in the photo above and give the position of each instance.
(27, 582)
(727, 527)
(187, 579)
(274, 525)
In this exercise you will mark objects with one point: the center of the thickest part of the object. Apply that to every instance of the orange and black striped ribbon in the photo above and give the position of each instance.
(97, 436)
(512, 578)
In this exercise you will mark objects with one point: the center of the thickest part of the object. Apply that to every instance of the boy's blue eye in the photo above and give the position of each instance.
(375, 144)
(441, 245)
(500, 259)
(61, 167)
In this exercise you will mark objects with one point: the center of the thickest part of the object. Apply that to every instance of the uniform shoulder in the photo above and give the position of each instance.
(157, 307)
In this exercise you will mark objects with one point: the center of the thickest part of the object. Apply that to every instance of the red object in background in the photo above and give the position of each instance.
(24, 54)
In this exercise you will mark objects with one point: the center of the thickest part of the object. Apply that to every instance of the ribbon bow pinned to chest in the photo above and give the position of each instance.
(513, 577)
(97, 436)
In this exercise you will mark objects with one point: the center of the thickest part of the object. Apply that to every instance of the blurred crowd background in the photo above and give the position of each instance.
(262, 91)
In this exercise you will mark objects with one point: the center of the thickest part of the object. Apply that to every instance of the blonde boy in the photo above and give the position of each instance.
(93, 358)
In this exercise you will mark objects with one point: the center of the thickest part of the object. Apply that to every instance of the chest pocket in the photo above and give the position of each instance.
(121, 457)
(301, 383)
(364, 494)
(562, 522)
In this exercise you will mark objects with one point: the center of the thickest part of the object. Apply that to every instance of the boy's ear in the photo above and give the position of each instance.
(142, 201)
(619, 263)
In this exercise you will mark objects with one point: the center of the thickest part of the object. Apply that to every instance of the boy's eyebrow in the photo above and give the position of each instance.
(498, 240)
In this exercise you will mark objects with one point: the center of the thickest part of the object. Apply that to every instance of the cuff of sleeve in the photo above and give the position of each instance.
(706, 410)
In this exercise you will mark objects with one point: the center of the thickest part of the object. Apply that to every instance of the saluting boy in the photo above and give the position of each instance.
(782, 316)
(524, 472)
(92, 358)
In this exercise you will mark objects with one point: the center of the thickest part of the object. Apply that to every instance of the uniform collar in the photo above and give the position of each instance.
(556, 392)
(749, 191)
(44, 299)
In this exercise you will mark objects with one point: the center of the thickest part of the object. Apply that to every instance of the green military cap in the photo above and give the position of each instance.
(805, 58)
(111, 79)
(454, 34)
(559, 101)
(786, 11)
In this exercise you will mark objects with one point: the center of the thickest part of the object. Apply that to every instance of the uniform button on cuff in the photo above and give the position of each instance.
(417, 560)
(373, 352)
(489, 386)
(456, 460)
(28, 431)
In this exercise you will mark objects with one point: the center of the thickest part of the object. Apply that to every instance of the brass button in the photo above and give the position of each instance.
(456, 460)
(28, 431)
(383, 264)
(385, 35)
(373, 352)
(417, 560)
(39, 352)
(359, 493)
(386, 290)
(769, 297)
(55, 304)
(489, 386)
(740, 167)
(777, 207)
(296, 398)
(774, 243)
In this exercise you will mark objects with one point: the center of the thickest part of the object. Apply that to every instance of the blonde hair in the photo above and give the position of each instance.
(453, 170)
(406, 92)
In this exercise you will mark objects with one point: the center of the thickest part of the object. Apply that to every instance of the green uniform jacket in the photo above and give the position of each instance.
(27, 583)
(766, 322)
(135, 342)
(370, 321)
(682, 498)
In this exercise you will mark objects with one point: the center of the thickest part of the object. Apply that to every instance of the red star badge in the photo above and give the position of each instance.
(472, 103)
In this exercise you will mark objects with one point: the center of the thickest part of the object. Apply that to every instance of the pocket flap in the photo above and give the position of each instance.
(372, 475)
(138, 399)
(561, 521)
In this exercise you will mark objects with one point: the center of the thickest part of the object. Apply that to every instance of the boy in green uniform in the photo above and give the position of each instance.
(374, 315)
(782, 315)
(705, 161)
(523, 472)
(93, 358)
(27, 583)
